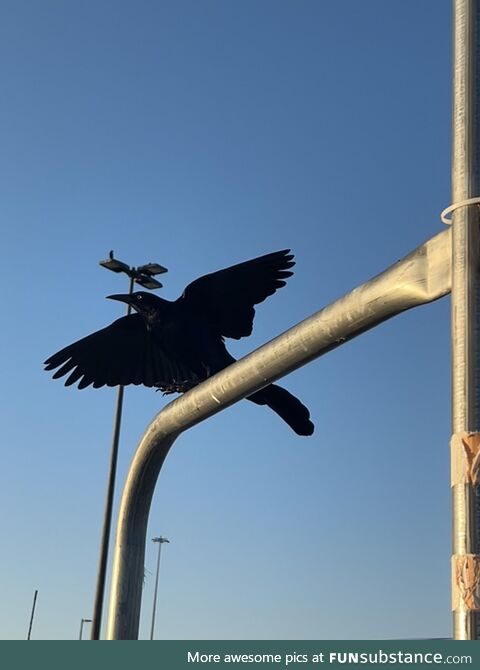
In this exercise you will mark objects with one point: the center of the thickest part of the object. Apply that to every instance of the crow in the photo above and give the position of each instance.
(174, 346)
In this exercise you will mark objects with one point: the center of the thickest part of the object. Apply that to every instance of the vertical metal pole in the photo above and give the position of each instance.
(107, 517)
(465, 443)
(33, 613)
(82, 622)
(160, 541)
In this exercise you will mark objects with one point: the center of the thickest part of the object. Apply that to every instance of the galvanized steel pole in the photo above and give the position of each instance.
(419, 278)
(465, 444)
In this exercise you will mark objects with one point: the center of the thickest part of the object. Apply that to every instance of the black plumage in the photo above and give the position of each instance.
(176, 345)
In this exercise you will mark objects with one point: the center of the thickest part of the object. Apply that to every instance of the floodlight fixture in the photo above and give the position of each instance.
(114, 264)
(147, 281)
(152, 269)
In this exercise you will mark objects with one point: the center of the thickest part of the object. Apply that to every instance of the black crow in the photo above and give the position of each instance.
(176, 345)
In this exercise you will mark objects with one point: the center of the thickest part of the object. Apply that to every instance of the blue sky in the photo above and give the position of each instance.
(197, 135)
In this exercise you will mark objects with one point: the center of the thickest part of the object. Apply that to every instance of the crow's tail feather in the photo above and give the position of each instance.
(289, 408)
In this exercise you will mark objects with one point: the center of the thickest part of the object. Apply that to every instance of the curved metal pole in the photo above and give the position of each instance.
(421, 277)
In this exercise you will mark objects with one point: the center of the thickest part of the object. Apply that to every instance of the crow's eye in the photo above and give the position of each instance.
(139, 297)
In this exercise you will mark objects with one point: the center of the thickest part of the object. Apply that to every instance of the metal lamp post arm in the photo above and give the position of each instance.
(421, 277)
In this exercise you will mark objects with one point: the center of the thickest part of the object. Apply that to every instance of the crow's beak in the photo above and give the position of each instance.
(121, 297)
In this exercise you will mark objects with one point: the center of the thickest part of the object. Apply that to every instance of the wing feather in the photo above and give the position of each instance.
(123, 353)
(226, 298)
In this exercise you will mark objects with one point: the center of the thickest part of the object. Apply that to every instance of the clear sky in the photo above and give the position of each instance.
(198, 134)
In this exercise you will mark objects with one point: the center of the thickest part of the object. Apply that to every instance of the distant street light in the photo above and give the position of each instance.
(143, 275)
(160, 540)
(82, 621)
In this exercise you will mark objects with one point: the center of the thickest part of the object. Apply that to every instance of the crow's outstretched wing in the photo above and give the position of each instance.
(123, 353)
(226, 298)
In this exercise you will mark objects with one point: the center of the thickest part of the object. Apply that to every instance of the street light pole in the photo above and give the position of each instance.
(143, 276)
(82, 621)
(160, 540)
(32, 614)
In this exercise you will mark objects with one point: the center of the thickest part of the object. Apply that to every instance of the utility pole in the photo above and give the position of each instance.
(465, 443)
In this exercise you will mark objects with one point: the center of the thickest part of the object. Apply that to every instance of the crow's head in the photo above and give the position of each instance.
(148, 305)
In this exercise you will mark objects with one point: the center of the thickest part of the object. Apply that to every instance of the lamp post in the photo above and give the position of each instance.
(82, 621)
(32, 614)
(160, 540)
(143, 275)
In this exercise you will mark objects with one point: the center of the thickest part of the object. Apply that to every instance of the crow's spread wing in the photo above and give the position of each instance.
(226, 298)
(123, 353)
